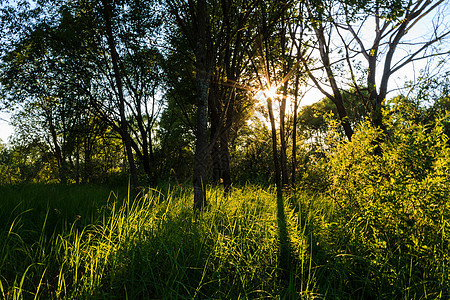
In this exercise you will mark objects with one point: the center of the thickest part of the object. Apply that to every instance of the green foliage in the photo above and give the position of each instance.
(251, 158)
(313, 119)
(9, 172)
(386, 239)
(393, 209)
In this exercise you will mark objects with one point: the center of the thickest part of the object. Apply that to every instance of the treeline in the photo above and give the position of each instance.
(206, 92)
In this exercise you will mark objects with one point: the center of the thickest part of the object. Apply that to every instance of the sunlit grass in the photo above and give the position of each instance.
(155, 246)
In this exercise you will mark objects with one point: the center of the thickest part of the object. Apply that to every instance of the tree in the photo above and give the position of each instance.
(123, 90)
(29, 78)
(193, 20)
(119, 90)
(103, 55)
(226, 39)
(339, 28)
(229, 103)
(176, 130)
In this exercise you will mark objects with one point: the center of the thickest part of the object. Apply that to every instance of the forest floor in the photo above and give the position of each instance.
(98, 242)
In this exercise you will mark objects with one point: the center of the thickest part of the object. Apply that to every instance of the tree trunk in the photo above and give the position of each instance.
(294, 133)
(216, 127)
(284, 169)
(201, 145)
(225, 160)
(58, 152)
(202, 81)
(274, 149)
(337, 97)
(107, 10)
(286, 68)
(225, 136)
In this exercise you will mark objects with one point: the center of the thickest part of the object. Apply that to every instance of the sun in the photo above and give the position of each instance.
(270, 92)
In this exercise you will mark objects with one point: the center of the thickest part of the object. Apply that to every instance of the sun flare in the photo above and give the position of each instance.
(270, 92)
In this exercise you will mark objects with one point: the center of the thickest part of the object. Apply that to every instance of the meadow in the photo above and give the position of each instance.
(97, 242)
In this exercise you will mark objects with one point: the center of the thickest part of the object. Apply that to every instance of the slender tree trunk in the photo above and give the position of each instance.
(284, 244)
(58, 152)
(284, 169)
(337, 97)
(107, 10)
(375, 103)
(146, 144)
(274, 148)
(77, 161)
(294, 133)
(87, 171)
(153, 180)
(286, 69)
(225, 160)
(342, 113)
(201, 145)
(216, 162)
(225, 136)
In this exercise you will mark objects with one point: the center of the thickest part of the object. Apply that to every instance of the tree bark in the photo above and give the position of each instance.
(225, 159)
(294, 133)
(337, 99)
(284, 169)
(202, 82)
(287, 64)
(215, 132)
(274, 149)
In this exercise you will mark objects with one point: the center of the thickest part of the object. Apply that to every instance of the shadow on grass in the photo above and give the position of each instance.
(170, 263)
(284, 253)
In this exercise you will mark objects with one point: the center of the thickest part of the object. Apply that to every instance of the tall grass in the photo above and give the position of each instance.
(114, 246)
(153, 246)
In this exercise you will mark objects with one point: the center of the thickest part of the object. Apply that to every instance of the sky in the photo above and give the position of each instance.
(5, 129)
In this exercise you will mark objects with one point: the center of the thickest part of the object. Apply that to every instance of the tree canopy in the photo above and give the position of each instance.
(185, 91)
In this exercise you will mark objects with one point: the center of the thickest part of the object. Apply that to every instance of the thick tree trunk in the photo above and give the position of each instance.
(202, 81)
(201, 145)
(216, 127)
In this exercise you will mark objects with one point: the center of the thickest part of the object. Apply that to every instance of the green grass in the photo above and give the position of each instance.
(85, 242)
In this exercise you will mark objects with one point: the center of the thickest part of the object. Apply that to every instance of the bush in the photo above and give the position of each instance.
(394, 208)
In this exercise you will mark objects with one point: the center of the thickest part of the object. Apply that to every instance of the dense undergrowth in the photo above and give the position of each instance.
(378, 228)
